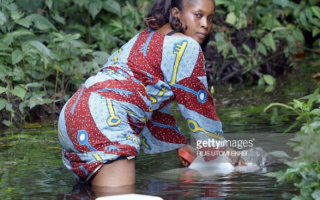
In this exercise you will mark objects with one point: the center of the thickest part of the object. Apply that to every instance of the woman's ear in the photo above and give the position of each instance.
(175, 12)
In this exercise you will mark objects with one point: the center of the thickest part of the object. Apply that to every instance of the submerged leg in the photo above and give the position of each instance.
(118, 173)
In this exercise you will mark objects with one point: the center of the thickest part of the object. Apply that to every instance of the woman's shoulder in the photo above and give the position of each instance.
(181, 38)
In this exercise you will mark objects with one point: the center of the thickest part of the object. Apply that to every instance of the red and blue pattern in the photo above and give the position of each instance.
(131, 95)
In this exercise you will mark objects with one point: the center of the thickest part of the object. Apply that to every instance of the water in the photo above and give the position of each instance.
(31, 167)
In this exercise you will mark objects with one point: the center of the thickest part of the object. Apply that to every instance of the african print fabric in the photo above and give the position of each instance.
(131, 95)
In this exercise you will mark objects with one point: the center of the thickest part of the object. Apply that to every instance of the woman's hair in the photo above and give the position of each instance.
(160, 13)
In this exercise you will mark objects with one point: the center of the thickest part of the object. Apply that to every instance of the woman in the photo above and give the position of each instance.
(99, 126)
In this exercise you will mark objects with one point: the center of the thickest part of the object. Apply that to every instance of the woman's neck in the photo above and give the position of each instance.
(165, 29)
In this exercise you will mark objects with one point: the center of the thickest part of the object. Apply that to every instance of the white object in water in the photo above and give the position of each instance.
(130, 197)
(220, 165)
(221, 162)
(279, 154)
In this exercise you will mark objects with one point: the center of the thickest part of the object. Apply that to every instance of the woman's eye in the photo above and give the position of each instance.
(210, 19)
(197, 15)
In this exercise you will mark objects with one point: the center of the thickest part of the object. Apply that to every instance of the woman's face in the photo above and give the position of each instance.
(198, 16)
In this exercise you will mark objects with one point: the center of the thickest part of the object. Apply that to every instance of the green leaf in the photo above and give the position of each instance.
(3, 18)
(130, 7)
(246, 48)
(269, 79)
(37, 45)
(262, 49)
(315, 31)
(100, 57)
(7, 123)
(315, 22)
(234, 51)
(112, 6)
(316, 112)
(313, 98)
(219, 37)
(308, 13)
(9, 107)
(271, 42)
(41, 22)
(287, 195)
(297, 104)
(316, 194)
(17, 56)
(18, 91)
(270, 88)
(4, 54)
(60, 37)
(34, 101)
(261, 81)
(3, 103)
(16, 14)
(34, 84)
(238, 21)
(56, 67)
(241, 61)
(283, 3)
(49, 3)
(4, 47)
(80, 2)
(95, 7)
(24, 22)
(316, 11)
(21, 107)
(9, 37)
(58, 18)
(303, 19)
(2, 89)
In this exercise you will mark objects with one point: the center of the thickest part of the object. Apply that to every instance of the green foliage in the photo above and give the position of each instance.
(304, 172)
(44, 52)
(276, 26)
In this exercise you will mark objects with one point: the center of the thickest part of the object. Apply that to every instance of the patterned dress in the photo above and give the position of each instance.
(131, 95)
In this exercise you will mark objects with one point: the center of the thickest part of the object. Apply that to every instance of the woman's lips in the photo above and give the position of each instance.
(202, 35)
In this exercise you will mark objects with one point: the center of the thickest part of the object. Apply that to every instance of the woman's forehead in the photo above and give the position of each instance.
(204, 5)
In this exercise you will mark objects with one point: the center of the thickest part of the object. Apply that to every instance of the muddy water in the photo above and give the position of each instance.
(31, 167)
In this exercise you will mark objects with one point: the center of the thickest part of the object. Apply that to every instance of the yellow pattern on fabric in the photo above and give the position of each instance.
(113, 116)
(194, 127)
(144, 143)
(115, 59)
(153, 100)
(145, 119)
(179, 50)
(97, 157)
(162, 91)
(132, 139)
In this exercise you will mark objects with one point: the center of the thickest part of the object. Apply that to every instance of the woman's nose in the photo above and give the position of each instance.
(204, 23)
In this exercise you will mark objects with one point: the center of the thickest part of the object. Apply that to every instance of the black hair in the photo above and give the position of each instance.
(160, 13)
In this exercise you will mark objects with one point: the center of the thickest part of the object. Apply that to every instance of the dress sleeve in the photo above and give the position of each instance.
(189, 85)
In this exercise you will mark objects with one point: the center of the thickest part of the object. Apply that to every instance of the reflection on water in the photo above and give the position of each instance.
(31, 168)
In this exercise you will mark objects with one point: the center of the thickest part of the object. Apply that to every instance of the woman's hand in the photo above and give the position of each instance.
(191, 150)
(236, 160)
